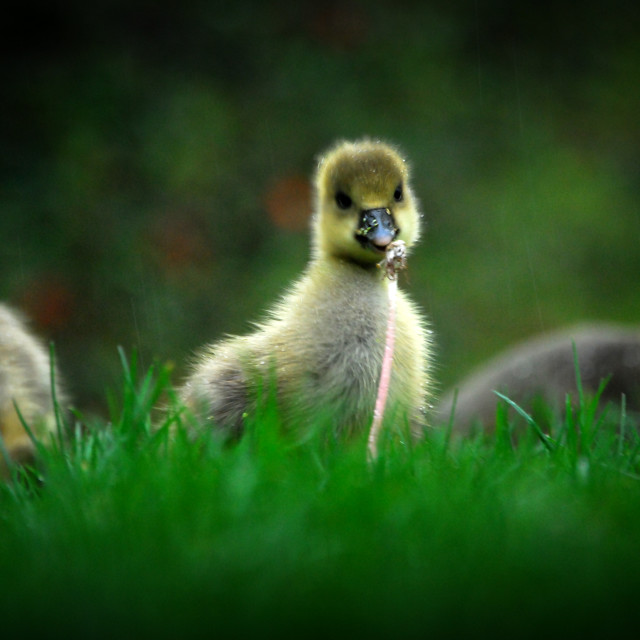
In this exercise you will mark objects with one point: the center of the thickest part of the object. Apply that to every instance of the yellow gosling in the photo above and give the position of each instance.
(25, 379)
(322, 345)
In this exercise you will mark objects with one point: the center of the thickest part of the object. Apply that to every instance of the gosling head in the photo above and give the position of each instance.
(363, 202)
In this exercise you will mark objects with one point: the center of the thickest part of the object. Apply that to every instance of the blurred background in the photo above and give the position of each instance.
(155, 161)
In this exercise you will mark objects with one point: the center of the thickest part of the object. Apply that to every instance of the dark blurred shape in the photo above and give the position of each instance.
(341, 25)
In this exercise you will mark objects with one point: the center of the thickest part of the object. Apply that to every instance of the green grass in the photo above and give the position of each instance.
(131, 531)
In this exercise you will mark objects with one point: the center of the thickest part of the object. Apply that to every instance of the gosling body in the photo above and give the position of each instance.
(322, 345)
(25, 381)
(544, 367)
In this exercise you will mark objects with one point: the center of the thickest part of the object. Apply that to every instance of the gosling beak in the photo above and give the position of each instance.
(377, 229)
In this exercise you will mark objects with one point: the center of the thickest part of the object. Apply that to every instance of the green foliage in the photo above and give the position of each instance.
(150, 530)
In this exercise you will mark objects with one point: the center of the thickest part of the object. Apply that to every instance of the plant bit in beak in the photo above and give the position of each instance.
(377, 229)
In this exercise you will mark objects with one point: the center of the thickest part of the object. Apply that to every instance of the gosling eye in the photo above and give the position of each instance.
(343, 200)
(397, 194)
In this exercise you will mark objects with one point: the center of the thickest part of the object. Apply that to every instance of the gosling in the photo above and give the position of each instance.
(544, 367)
(25, 382)
(320, 349)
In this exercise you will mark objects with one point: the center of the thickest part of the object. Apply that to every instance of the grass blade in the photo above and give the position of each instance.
(547, 441)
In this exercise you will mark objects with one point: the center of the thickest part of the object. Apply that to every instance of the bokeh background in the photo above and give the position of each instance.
(155, 160)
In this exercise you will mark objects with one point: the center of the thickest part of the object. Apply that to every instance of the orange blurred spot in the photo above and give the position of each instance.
(180, 240)
(288, 203)
(49, 303)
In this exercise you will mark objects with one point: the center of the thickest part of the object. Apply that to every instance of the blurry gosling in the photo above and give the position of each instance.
(543, 367)
(25, 378)
(321, 346)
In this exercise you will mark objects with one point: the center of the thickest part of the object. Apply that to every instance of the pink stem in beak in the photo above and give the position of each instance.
(395, 259)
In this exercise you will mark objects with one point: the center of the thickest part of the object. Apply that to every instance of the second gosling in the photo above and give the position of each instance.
(322, 345)
(25, 382)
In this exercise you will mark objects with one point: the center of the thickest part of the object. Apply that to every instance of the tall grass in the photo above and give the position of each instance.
(132, 530)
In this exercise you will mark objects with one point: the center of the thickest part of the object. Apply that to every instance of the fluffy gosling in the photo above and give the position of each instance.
(321, 346)
(25, 379)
